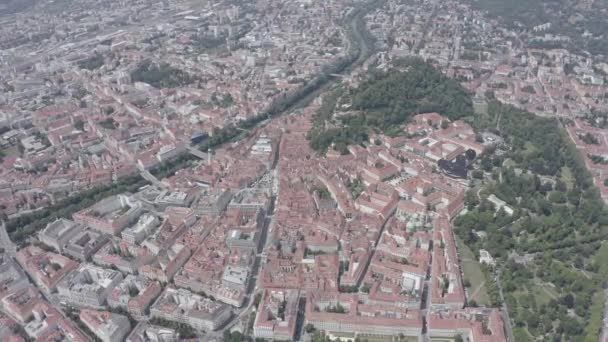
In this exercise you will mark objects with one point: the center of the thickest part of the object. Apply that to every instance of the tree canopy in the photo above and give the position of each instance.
(387, 99)
(160, 75)
(558, 221)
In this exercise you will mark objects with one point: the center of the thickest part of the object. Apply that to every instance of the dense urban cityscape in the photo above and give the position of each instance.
(303, 170)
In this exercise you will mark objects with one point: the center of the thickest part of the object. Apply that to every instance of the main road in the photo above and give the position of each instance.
(504, 311)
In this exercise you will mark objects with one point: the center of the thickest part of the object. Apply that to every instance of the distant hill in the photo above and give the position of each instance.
(15, 6)
(583, 21)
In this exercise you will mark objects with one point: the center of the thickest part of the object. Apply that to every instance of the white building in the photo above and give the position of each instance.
(486, 258)
(88, 285)
(498, 204)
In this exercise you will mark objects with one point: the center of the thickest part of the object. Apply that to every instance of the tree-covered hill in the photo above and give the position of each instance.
(161, 75)
(387, 99)
(414, 87)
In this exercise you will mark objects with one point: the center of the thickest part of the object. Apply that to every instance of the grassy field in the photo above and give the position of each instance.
(529, 147)
(543, 293)
(595, 322)
(567, 177)
(472, 272)
(521, 335)
(509, 163)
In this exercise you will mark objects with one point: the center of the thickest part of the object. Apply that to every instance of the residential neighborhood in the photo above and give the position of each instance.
(197, 170)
